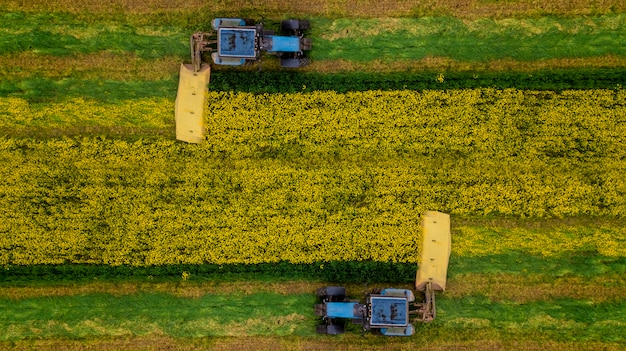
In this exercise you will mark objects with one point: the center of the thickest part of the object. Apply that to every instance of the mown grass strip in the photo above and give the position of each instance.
(363, 40)
(191, 287)
(503, 67)
(165, 9)
(103, 315)
(107, 66)
(64, 35)
(45, 90)
(536, 286)
(346, 343)
(481, 40)
(461, 319)
(519, 288)
(103, 65)
(584, 264)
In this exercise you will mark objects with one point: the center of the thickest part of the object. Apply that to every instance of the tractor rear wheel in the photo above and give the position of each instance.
(297, 25)
(331, 291)
(294, 62)
(332, 329)
(335, 293)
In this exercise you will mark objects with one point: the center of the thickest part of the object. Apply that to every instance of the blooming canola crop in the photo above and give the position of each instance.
(315, 177)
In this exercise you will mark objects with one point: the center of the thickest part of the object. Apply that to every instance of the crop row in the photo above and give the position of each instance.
(461, 123)
(17, 113)
(141, 203)
(312, 177)
(576, 124)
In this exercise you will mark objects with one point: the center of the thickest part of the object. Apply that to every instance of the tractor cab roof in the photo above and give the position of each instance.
(237, 42)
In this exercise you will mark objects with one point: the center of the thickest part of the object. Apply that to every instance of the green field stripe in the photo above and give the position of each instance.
(165, 10)
(361, 40)
(48, 90)
(101, 66)
(560, 320)
(39, 88)
(497, 287)
(583, 264)
(573, 73)
(64, 34)
(103, 315)
(122, 40)
(349, 342)
(482, 40)
(537, 286)
(462, 319)
(540, 270)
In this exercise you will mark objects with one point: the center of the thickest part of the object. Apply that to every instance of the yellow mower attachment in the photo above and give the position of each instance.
(190, 100)
(433, 263)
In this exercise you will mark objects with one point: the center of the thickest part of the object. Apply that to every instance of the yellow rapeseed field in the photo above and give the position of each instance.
(312, 177)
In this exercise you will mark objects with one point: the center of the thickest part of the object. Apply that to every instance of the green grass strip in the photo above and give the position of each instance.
(334, 271)
(462, 319)
(286, 82)
(49, 90)
(102, 315)
(64, 34)
(481, 40)
(558, 320)
(361, 40)
(38, 89)
(164, 10)
(585, 265)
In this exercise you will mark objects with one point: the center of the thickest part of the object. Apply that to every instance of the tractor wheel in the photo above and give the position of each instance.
(295, 25)
(294, 62)
(335, 329)
(332, 329)
(335, 292)
(376, 331)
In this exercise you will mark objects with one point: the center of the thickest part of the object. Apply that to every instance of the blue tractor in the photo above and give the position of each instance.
(386, 311)
(233, 42)
(237, 42)
(391, 311)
